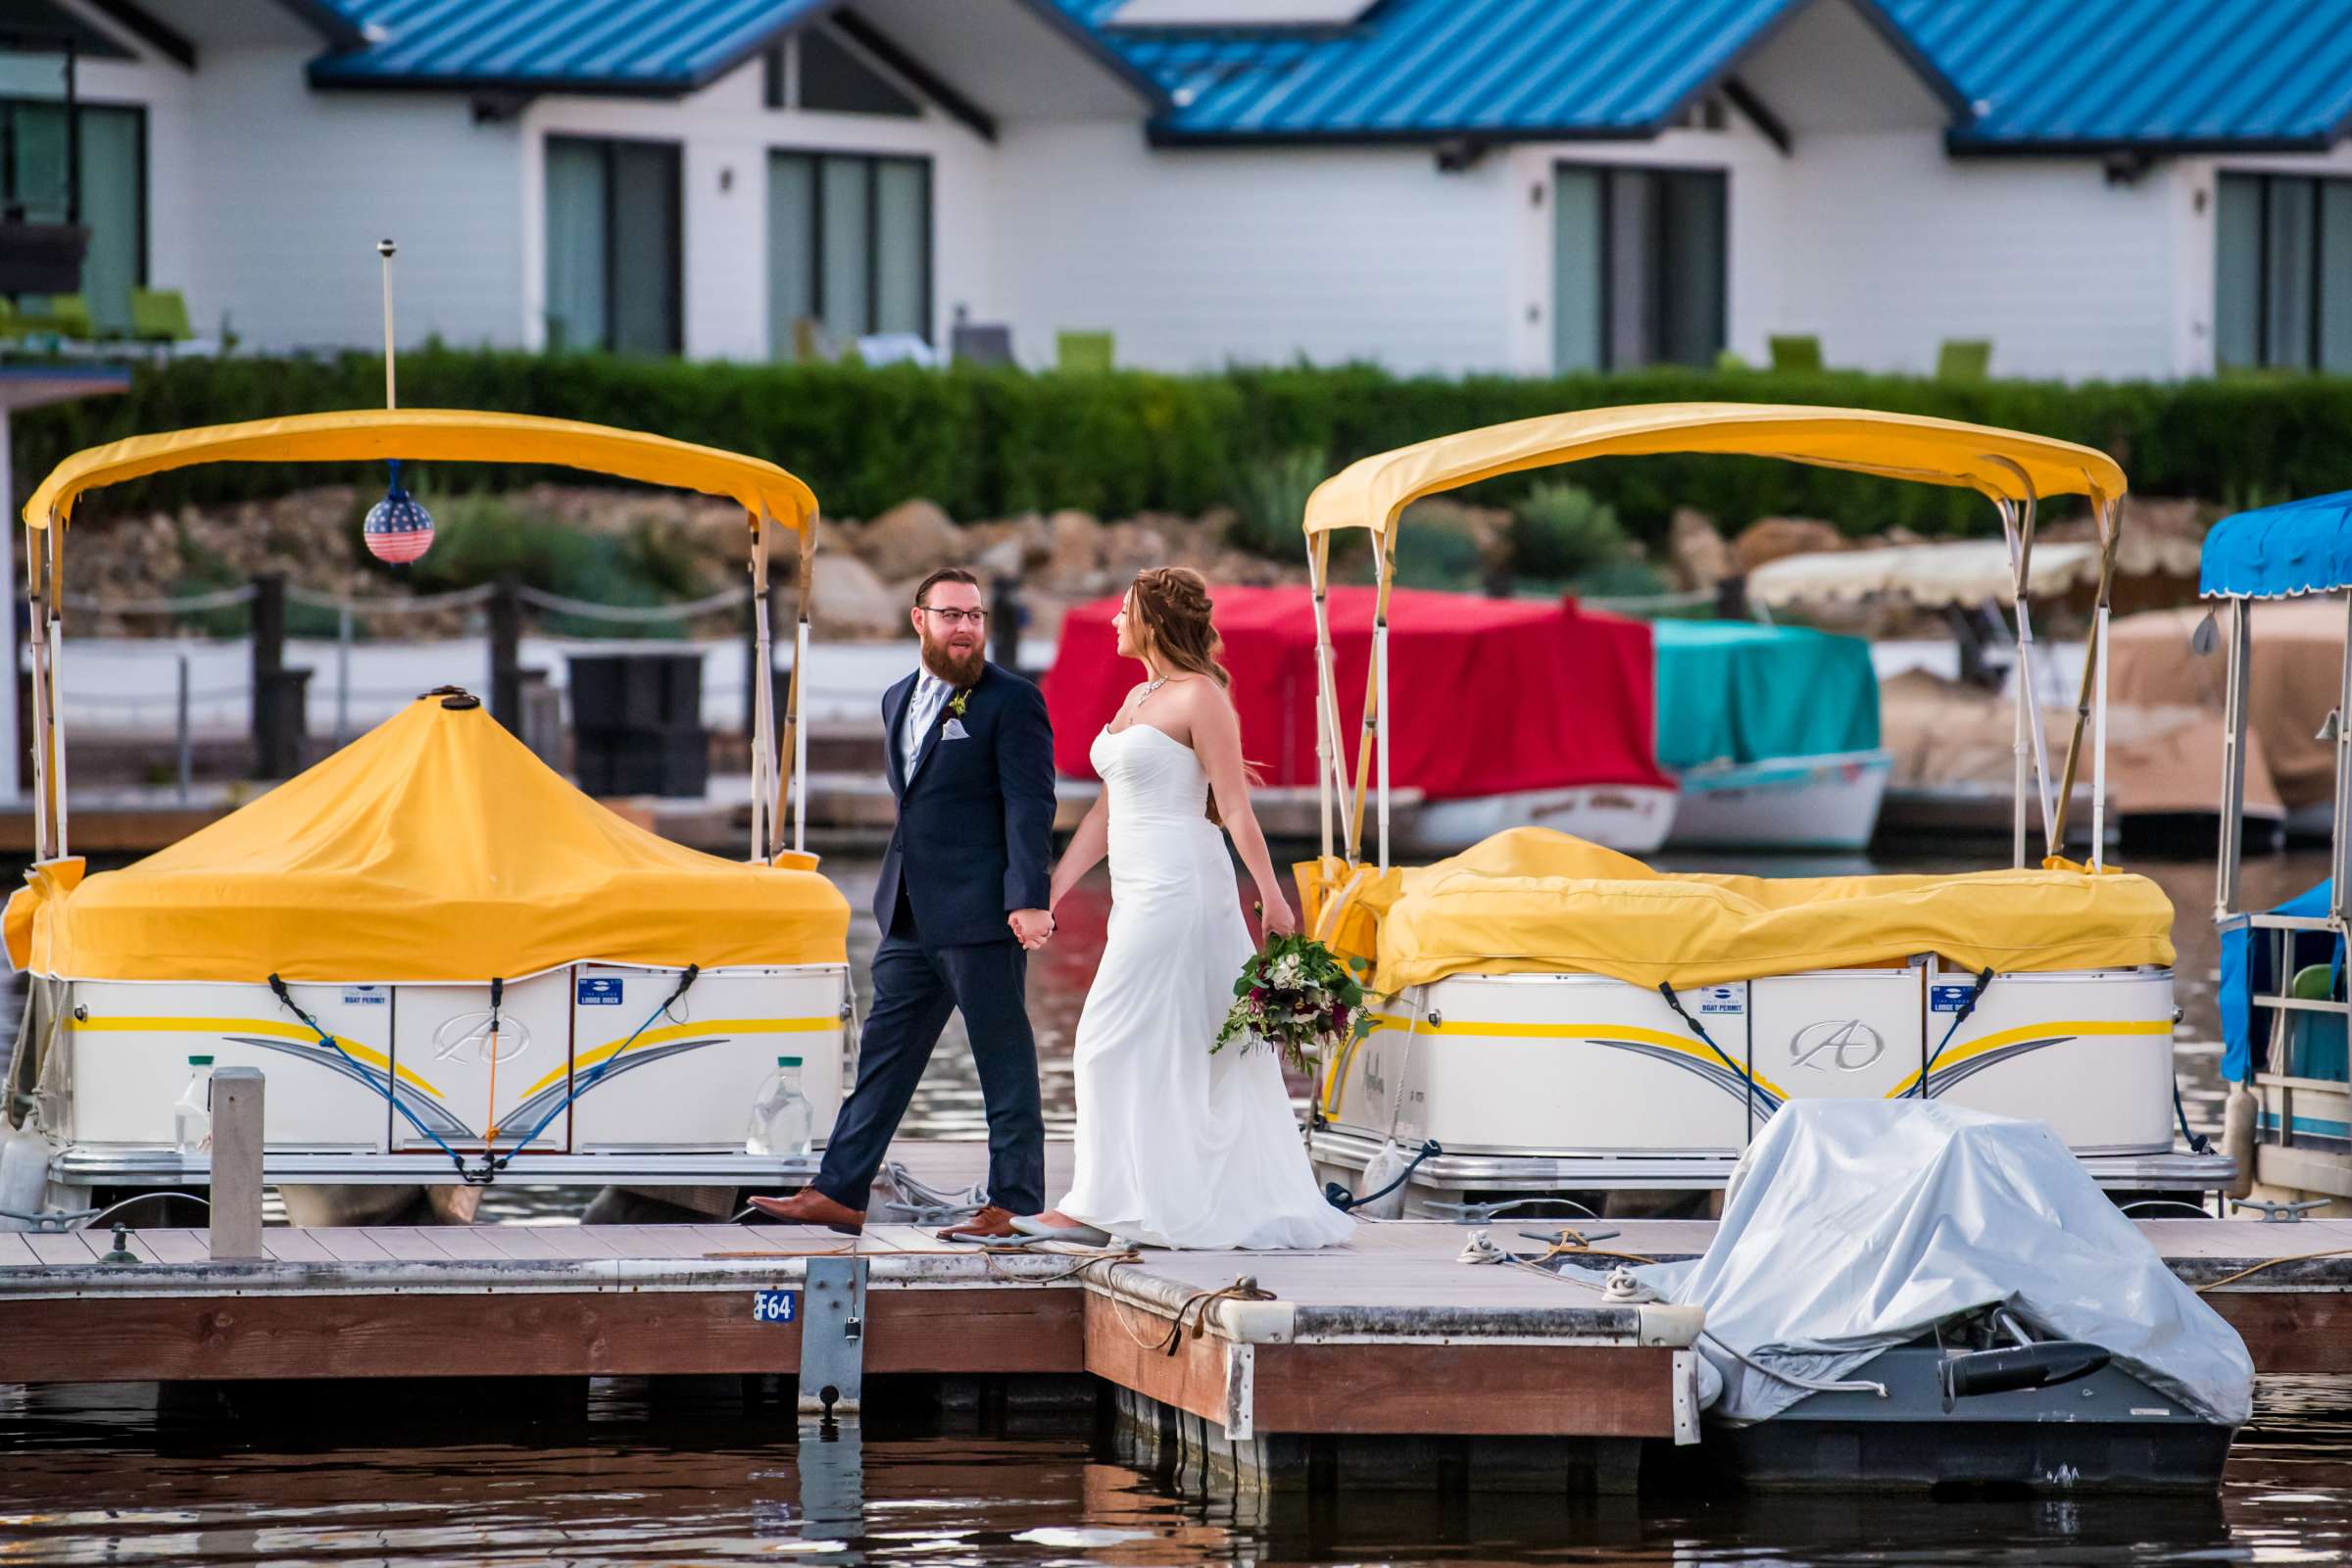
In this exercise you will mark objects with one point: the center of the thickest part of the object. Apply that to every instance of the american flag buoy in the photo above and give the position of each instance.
(398, 528)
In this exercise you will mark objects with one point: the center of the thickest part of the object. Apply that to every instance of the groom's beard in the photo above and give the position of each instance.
(957, 666)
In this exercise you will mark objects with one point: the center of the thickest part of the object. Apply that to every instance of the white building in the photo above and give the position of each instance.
(2098, 188)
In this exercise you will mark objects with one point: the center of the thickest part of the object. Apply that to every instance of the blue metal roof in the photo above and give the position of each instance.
(2163, 75)
(549, 45)
(2297, 547)
(1428, 67)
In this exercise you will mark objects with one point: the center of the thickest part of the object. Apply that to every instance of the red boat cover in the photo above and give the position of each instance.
(1490, 695)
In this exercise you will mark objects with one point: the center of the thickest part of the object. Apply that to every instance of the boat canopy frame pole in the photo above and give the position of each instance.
(796, 733)
(763, 752)
(2093, 694)
(57, 686)
(2340, 849)
(1372, 743)
(46, 845)
(1318, 580)
(2233, 759)
(2017, 527)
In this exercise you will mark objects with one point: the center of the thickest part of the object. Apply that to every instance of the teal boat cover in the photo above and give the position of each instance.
(1730, 691)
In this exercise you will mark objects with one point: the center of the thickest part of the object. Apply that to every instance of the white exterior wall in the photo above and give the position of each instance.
(2193, 200)
(725, 132)
(296, 186)
(1200, 257)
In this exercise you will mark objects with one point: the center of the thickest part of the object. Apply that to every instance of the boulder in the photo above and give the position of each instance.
(1771, 538)
(1000, 560)
(1075, 551)
(1130, 547)
(851, 601)
(911, 540)
(1701, 557)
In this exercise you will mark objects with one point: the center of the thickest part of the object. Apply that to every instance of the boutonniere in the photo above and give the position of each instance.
(957, 703)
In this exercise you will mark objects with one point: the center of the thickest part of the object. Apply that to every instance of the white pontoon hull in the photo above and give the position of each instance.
(1534, 1082)
(1630, 818)
(671, 1109)
(1782, 803)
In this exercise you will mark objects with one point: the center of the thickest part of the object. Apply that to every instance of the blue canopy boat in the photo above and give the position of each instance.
(2289, 1123)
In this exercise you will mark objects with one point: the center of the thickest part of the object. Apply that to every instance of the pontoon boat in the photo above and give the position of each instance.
(452, 966)
(1562, 1019)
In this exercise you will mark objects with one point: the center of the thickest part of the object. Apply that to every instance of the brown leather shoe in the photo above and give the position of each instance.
(809, 1206)
(991, 1224)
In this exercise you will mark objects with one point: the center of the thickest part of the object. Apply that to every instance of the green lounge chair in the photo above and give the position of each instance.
(1088, 353)
(159, 316)
(1796, 352)
(1963, 358)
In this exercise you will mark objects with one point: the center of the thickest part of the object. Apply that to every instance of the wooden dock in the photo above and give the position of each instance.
(1358, 1362)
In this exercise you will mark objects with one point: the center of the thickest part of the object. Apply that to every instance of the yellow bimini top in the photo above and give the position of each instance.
(447, 435)
(1999, 463)
(434, 848)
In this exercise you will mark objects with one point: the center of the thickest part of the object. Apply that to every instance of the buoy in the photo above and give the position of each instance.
(398, 528)
(2238, 1137)
(23, 1175)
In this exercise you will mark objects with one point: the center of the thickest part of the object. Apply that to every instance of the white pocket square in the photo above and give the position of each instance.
(954, 731)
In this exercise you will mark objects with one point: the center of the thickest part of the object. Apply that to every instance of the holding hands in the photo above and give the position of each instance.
(1033, 928)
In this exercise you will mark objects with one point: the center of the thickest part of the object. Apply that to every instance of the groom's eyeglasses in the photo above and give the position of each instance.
(957, 618)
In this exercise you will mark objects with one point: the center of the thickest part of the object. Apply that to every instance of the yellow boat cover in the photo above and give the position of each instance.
(1534, 901)
(435, 847)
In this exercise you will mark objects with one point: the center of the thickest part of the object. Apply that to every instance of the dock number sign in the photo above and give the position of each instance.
(600, 994)
(771, 1306)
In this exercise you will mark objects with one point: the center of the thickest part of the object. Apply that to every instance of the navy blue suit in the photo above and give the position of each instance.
(973, 844)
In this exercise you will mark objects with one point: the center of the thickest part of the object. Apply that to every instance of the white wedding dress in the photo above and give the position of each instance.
(1178, 1147)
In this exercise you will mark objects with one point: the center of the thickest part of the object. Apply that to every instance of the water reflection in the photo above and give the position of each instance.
(645, 1473)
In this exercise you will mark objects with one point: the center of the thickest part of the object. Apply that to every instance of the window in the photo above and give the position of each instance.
(2282, 273)
(33, 163)
(832, 78)
(1638, 266)
(849, 247)
(613, 249)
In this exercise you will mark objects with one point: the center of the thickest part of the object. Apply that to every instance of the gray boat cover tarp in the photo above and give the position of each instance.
(1852, 1225)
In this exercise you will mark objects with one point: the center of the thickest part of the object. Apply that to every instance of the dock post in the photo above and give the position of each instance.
(506, 656)
(237, 1164)
(833, 1337)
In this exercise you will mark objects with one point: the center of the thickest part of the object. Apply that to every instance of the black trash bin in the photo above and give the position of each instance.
(637, 724)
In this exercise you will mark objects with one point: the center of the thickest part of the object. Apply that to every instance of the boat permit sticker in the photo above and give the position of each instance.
(363, 997)
(771, 1306)
(1948, 998)
(600, 992)
(1723, 1000)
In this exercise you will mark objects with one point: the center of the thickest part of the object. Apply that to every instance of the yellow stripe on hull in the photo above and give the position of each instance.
(682, 1031)
(272, 1027)
(1601, 1033)
(2065, 1028)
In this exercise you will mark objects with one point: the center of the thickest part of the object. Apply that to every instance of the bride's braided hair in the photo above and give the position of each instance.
(1180, 631)
(1177, 613)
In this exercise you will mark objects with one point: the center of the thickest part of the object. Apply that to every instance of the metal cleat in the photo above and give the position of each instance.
(2279, 1213)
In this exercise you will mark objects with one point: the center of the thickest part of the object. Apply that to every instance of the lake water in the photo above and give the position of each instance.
(647, 1474)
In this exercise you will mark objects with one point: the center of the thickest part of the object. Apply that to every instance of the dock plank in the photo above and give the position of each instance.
(176, 1246)
(290, 1245)
(15, 1253)
(409, 1244)
(466, 1243)
(351, 1243)
(70, 1247)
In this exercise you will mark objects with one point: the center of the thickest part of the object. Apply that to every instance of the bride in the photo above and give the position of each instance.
(1177, 1147)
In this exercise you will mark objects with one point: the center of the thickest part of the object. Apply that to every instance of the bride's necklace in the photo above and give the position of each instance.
(1149, 687)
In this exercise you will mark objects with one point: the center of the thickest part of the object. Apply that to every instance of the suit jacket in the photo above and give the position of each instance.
(974, 839)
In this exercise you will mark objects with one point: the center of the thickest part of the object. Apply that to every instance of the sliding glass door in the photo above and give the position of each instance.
(612, 246)
(34, 163)
(849, 248)
(2283, 273)
(1638, 266)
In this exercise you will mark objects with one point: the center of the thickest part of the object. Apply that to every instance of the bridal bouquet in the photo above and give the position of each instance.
(1296, 997)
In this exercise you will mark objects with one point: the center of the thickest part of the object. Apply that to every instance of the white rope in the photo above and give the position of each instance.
(217, 599)
(387, 605)
(727, 599)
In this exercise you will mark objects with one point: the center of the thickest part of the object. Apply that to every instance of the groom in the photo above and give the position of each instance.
(960, 902)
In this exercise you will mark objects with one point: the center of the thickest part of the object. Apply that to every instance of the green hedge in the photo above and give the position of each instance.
(989, 443)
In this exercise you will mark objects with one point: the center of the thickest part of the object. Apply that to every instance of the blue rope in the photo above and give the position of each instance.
(390, 1095)
(1984, 979)
(590, 1082)
(1666, 990)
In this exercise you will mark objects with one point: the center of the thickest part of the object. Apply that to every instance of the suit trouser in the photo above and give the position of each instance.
(915, 987)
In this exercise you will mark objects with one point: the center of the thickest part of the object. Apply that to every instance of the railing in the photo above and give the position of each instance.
(276, 695)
